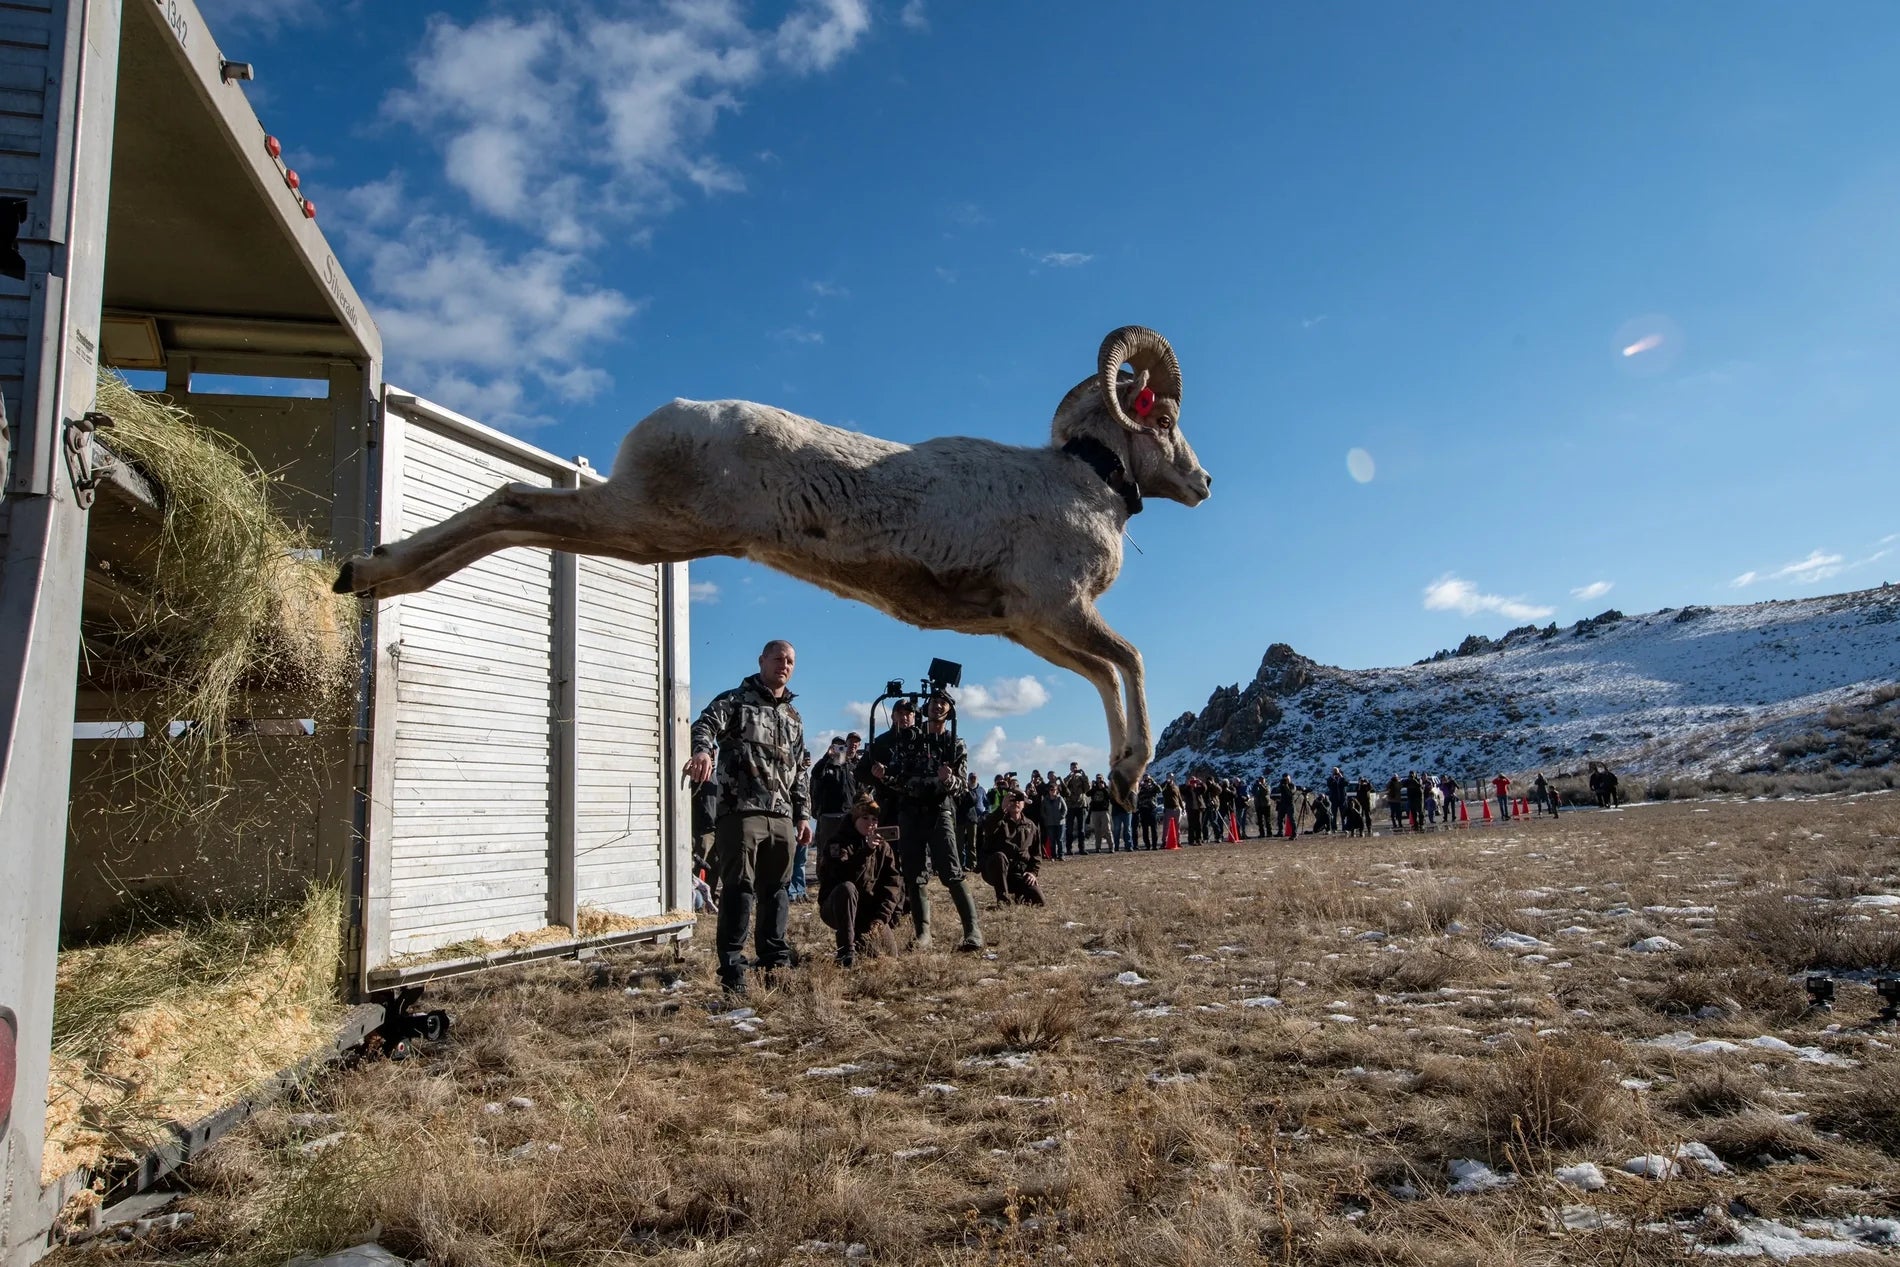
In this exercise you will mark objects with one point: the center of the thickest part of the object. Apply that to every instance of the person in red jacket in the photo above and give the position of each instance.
(1502, 785)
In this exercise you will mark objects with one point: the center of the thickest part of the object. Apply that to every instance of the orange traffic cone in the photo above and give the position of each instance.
(1289, 829)
(1485, 804)
(1464, 815)
(1233, 830)
(1173, 838)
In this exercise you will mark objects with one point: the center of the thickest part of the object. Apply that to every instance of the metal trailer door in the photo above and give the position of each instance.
(58, 85)
(524, 711)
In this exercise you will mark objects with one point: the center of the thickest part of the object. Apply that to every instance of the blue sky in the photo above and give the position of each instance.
(1607, 295)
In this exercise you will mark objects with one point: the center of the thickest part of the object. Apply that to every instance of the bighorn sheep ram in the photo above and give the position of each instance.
(955, 533)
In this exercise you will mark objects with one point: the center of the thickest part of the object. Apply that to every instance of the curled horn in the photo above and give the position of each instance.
(1145, 350)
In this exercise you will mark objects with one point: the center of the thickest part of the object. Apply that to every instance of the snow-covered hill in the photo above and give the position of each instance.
(1691, 691)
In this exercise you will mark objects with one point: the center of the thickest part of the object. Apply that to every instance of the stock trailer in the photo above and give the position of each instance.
(496, 770)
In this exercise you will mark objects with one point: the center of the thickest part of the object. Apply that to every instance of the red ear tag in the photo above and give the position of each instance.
(1144, 402)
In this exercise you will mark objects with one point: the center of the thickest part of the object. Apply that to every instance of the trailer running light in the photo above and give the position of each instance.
(273, 146)
(309, 209)
(292, 179)
(9, 1065)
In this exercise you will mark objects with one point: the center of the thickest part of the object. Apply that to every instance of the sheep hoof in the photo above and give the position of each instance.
(1121, 790)
(346, 578)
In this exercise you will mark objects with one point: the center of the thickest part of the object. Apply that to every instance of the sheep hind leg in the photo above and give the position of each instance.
(494, 523)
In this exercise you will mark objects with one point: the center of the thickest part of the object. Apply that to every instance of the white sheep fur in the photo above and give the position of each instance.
(955, 533)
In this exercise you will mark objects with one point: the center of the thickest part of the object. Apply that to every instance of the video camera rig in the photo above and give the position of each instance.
(943, 675)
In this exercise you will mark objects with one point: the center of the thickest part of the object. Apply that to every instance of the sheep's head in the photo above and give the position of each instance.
(1134, 403)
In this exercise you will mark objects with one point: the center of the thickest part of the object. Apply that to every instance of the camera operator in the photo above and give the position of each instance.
(860, 890)
(919, 771)
(1008, 844)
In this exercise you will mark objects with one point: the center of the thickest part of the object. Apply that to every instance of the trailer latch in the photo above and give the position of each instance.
(79, 456)
(401, 1025)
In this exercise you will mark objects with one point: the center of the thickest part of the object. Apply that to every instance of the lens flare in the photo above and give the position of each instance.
(1359, 466)
(1647, 346)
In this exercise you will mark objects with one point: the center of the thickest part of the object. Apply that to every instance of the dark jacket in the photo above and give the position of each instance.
(1019, 842)
(1098, 799)
(910, 756)
(834, 786)
(761, 745)
(870, 865)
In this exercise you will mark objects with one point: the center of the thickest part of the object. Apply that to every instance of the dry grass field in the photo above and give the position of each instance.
(1430, 1049)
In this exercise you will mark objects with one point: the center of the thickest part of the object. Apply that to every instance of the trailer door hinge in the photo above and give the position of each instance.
(79, 456)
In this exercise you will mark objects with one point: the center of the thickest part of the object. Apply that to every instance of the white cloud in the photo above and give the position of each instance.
(815, 36)
(1449, 593)
(559, 121)
(997, 753)
(828, 290)
(913, 16)
(799, 334)
(1595, 589)
(703, 591)
(1059, 259)
(1818, 566)
(476, 326)
(1005, 697)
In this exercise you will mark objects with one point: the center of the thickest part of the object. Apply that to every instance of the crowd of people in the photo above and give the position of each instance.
(882, 818)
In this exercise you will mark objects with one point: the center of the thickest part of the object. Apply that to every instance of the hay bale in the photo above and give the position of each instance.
(170, 1024)
(232, 599)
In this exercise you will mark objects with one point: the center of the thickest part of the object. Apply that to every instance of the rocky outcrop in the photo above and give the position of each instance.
(1237, 720)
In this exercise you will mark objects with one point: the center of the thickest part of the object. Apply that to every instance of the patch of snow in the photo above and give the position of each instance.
(1583, 1176)
(1516, 942)
(1652, 1166)
(1655, 946)
(1702, 1155)
(833, 1071)
(1130, 978)
(1469, 1175)
(1264, 1000)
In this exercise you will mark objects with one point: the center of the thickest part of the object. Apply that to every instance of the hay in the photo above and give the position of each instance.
(232, 600)
(171, 1024)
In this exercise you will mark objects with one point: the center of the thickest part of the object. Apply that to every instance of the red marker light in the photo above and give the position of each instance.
(1144, 402)
(273, 146)
(309, 209)
(9, 1065)
(290, 178)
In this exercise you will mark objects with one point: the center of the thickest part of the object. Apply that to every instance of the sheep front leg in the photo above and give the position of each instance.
(1100, 674)
(1092, 636)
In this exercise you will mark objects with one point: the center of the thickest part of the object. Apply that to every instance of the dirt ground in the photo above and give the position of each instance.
(1444, 1048)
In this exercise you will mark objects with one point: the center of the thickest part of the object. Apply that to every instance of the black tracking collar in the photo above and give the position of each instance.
(1109, 467)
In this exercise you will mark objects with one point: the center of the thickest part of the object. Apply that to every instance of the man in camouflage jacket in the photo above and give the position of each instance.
(764, 794)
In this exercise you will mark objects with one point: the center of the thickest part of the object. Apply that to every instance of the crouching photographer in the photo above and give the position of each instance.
(860, 889)
(1008, 844)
